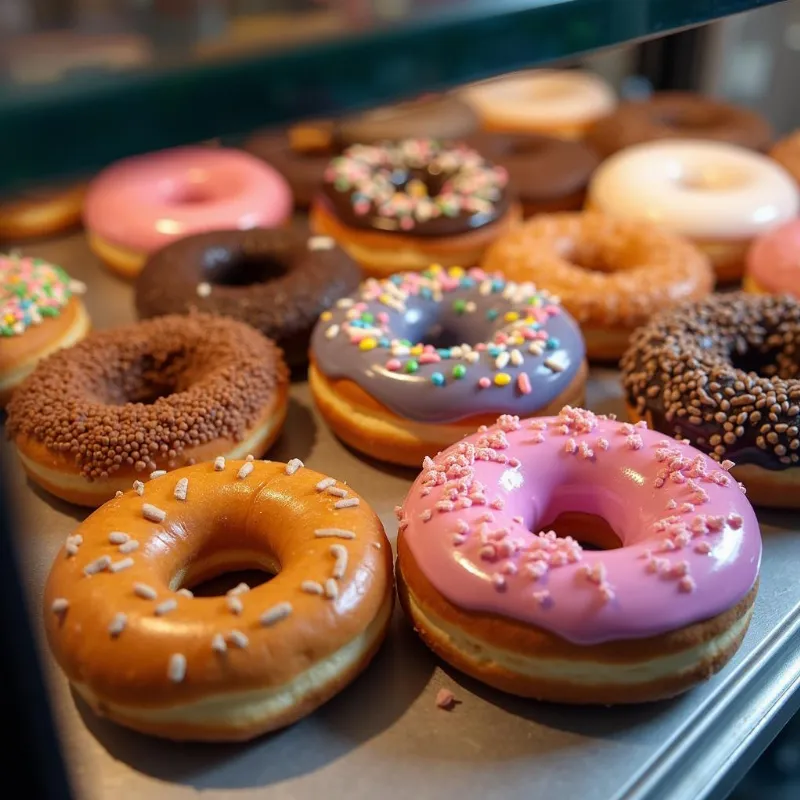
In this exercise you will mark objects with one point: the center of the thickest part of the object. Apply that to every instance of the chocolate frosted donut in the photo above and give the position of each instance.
(545, 174)
(279, 281)
(724, 373)
(679, 115)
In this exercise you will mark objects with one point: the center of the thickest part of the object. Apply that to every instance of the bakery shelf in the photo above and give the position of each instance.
(383, 736)
(83, 90)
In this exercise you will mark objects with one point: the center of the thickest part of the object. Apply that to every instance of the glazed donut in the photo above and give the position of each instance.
(722, 373)
(388, 393)
(144, 398)
(537, 615)
(142, 203)
(41, 212)
(787, 153)
(403, 205)
(39, 314)
(772, 261)
(141, 650)
(545, 174)
(561, 103)
(278, 281)
(717, 195)
(611, 275)
(679, 115)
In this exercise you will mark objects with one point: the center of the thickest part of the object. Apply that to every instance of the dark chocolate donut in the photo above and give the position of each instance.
(678, 115)
(278, 281)
(725, 374)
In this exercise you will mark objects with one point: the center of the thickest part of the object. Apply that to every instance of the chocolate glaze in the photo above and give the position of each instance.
(723, 373)
(267, 278)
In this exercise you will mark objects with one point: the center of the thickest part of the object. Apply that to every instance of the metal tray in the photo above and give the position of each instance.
(384, 736)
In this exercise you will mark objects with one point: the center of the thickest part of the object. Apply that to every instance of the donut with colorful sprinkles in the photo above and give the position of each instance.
(403, 205)
(495, 572)
(40, 312)
(415, 362)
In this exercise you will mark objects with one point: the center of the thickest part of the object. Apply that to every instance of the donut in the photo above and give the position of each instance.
(278, 281)
(40, 313)
(402, 206)
(551, 102)
(41, 212)
(545, 174)
(678, 115)
(610, 274)
(143, 398)
(722, 373)
(772, 262)
(787, 153)
(717, 195)
(135, 643)
(414, 362)
(530, 610)
(142, 203)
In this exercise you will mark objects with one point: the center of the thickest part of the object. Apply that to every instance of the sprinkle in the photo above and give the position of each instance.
(164, 608)
(348, 503)
(120, 565)
(144, 591)
(177, 668)
(517, 358)
(502, 379)
(311, 587)
(293, 465)
(339, 533)
(218, 643)
(332, 332)
(249, 457)
(437, 379)
(185, 593)
(60, 605)
(138, 487)
(702, 547)
(735, 521)
(445, 699)
(119, 493)
(157, 474)
(152, 513)
(244, 470)
(321, 243)
(554, 364)
(331, 589)
(118, 537)
(240, 588)
(130, 546)
(484, 383)
(339, 552)
(219, 463)
(98, 565)
(181, 487)
(524, 383)
(459, 371)
(117, 624)
(687, 584)
(275, 614)
(203, 289)
(501, 361)
(325, 483)
(336, 491)
(238, 639)
(234, 604)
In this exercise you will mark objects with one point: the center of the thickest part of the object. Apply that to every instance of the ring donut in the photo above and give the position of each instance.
(144, 398)
(41, 212)
(278, 281)
(142, 651)
(536, 614)
(772, 262)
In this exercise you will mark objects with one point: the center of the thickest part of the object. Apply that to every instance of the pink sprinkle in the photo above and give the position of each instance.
(715, 523)
(484, 383)
(488, 552)
(508, 568)
(543, 598)
(382, 317)
(462, 526)
(727, 464)
(524, 383)
(429, 358)
(499, 582)
(735, 521)
(426, 515)
(606, 592)
(497, 504)
(634, 442)
(445, 700)
(702, 547)
(393, 364)
(679, 569)
(687, 584)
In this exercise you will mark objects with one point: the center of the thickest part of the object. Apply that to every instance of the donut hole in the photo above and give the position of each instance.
(215, 574)
(189, 194)
(592, 531)
(224, 268)
(149, 378)
(765, 364)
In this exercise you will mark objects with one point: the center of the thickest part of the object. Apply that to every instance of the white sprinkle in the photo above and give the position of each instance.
(338, 533)
(235, 605)
(501, 360)
(157, 474)
(250, 457)
(98, 565)
(345, 302)
(144, 591)
(331, 589)
(336, 491)
(203, 289)
(535, 348)
(118, 537)
(321, 243)
(293, 465)
(472, 358)
(348, 503)
(60, 605)
(218, 643)
(177, 668)
(117, 624)
(72, 544)
(185, 593)
(153, 513)
(77, 287)
(339, 552)
(554, 364)
(275, 614)
(244, 470)
(445, 699)
(332, 332)
(181, 487)
(238, 639)
(376, 545)
(164, 608)
(238, 589)
(120, 565)
(219, 463)
(130, 546)
(325, 483)
(138, 487)
(311, 587)
(516, 358)
(72, 550)
(119, 493)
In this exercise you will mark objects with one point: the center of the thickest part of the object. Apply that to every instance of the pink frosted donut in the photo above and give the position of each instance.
(773, 262)
(143, 203)
(531, 611)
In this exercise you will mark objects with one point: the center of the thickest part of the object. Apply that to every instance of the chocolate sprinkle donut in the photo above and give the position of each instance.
(723, 373)
(124, 397)
(278, 281)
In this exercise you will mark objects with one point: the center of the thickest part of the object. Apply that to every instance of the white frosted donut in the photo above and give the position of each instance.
(703, 190)
(543, 100)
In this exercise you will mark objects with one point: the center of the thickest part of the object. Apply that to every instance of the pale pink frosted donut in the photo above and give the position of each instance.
(145, 202)
(773, 262)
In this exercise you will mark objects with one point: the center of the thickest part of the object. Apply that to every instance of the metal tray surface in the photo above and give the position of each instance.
(384, 736)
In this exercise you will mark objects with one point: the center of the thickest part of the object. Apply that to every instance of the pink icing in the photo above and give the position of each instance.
(773, 260)
(146, 202)
(691, 545)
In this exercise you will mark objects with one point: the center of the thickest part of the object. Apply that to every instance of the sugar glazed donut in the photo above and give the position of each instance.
(145, 398)
(404, 205)
(772, 262)
(679, 115)
(719, 196)
(722, 373)
(535, 614)
(145, 202)
(141, 650)
(787, 153)
(41, 212)
(611, 275)
(415, 362)
(40, 313)
(278, 281)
